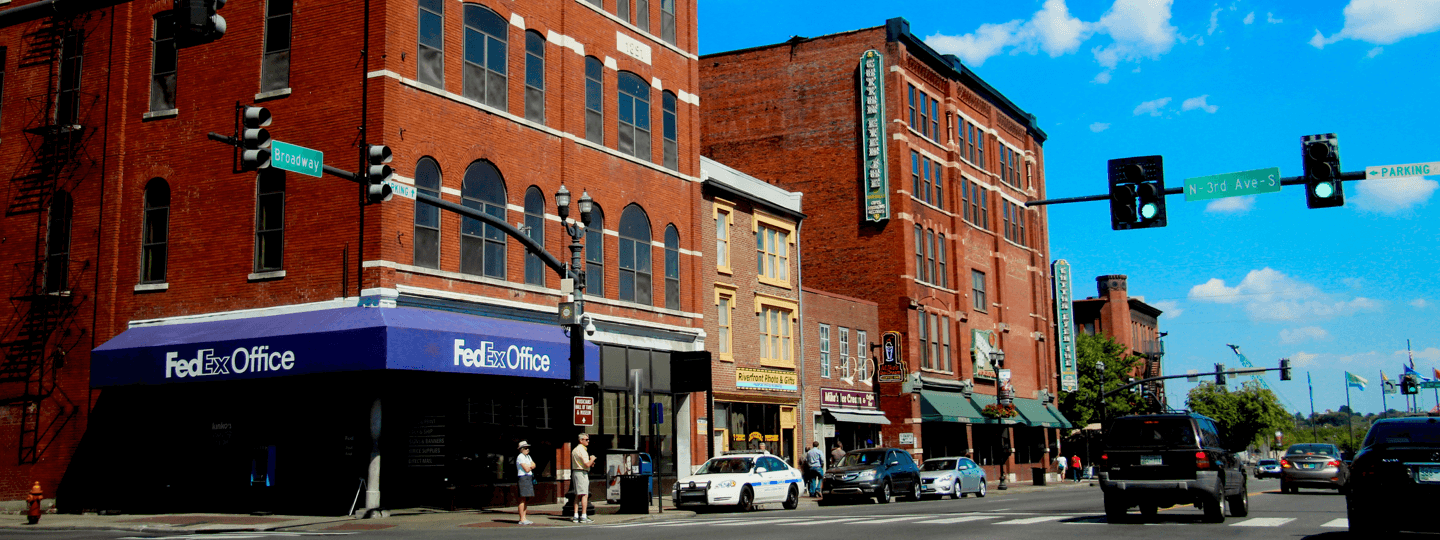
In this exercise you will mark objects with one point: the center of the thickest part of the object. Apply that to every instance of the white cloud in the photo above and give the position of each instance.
(1419, 303)
(988, 40)
(1099, 126)
(1137, 29)
(1056, 31)
(1308, 333)
(1392, 196)
(1270, 18)
(1302, 359)
(1152, 107)
(1170, 309)
(1374, 52)
(1214, 22)
(1269, 295)
(1231, 205)
(1199, 103)
(1102, 78)
(1430, 353)
(1383, 22)
(1250, 18)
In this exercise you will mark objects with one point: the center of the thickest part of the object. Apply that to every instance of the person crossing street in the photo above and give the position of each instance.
(815, 468)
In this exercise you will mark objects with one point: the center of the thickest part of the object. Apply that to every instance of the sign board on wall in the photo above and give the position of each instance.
(766, 379)
(980, 349)
(873, 179)
(1065, 324)
(850, 399)
(584, 411)
(907, 438)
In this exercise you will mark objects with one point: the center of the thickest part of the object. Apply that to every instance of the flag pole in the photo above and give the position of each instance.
(1383, 387)
(1313, 434)
(1349, 411)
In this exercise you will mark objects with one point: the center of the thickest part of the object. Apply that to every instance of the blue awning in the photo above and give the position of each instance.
(336, 340)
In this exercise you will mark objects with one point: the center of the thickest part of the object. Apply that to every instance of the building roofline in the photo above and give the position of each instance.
(725, 178)
(806, 289)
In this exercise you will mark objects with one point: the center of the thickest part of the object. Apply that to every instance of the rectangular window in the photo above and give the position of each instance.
(939, 186)
(980, 145)
(970, 133)
(772, 247)
(925, 362)
(275, 66)
(862, 353)
(930, 256)
(4, 54)
(944, 343)
(944, 277)
(722, 320)
(934, 119)
(671, 149)
(722, 240)
(67, 108)
(430, 59)
(965, 200)
(269, 219)
(924, 126)
(155, 232)
(634, 116)
(919, 254)
(915, 174)
(642, 14)
(1020, 237)
(1008, 235)
(775, 342)
(534, 77)
(825, 351)
(925, 175)
(594, 100)
(667, 21)
(977, 290)
(162, 63)
(984, 209)
(844, 352)
(933, 347)
(913, 116)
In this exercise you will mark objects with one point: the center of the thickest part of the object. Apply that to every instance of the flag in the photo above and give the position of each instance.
(1410, 370)
(1437, 373)
(1356, 381)
(1388, 386)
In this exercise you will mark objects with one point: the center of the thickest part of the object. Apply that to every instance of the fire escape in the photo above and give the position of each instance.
(44, 295)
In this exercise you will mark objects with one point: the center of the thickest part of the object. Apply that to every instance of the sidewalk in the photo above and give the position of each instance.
(545, 515)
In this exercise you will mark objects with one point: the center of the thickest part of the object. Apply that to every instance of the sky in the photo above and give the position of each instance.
(1214, 88)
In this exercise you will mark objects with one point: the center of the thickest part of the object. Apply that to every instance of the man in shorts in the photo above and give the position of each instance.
(580, 463)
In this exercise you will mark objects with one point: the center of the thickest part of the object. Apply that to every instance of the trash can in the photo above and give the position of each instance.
(635, 494)
(1038, 475)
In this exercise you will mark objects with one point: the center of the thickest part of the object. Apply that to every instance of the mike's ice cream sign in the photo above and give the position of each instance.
(851, 399)
(766, 379)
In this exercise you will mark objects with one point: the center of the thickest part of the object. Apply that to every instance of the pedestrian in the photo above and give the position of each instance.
(580, 463)
(763, 450)
(836, 453)
(815, 464)
(1075, 466)
(1060, 466)
(525, 479)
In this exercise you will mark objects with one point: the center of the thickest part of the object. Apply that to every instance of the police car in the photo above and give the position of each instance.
(742, 480)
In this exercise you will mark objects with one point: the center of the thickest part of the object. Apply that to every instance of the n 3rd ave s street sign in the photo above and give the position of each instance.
(298, 159)
(1233, 184)
(1397, 171)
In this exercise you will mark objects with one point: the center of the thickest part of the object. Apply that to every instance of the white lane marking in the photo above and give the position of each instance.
(888, 520)
(1263, 522)
(704, 522)
(957, 519)
(828, 521)
(758, 522)
(1027, 521)
(1341, 523)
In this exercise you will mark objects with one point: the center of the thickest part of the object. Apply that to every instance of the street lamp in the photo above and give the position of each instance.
(575, 325)
(997, 359)
(1100, 381)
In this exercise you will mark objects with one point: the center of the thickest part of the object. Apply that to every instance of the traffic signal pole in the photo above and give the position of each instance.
(1241, 371)
(1352, 176)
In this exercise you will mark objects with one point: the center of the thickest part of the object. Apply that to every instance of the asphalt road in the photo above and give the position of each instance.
(1054, 513)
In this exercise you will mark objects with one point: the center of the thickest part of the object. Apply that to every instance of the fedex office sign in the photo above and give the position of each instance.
(242, 360)
(487, 356)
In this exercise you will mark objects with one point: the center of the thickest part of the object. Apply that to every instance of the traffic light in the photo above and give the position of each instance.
(254, 138)
(1321, 158)
(1137, 192)
(196, 21)
(377, 172)
(1220, 374)
(1409, 385)
(1284, 369)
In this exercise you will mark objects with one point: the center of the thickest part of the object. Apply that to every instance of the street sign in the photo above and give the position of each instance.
(297, 159)
(1430, 384)
(1396, 171)
(1233, 184)
(584, 411)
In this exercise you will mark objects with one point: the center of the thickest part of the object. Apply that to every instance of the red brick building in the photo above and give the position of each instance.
(1130, 322)
(261, 341)
(915, 173)
(842, 343)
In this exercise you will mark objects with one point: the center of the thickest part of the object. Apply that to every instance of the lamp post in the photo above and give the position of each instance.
(1100, 394)
(997, 359)
(575, 324)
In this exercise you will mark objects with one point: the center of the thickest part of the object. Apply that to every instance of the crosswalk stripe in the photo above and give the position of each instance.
(1340, 522)
(758, 522)
(960, 519)
(889, 520)
(1263, 522)
(1027, 521)
(828, 521)
(705, 522)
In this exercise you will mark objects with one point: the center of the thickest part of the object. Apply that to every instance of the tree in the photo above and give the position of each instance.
(1082, 406)
(1243, 415)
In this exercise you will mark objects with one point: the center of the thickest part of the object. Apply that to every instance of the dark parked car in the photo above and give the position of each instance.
(1396, 477)
(872, 472)
(1313, 465)
(1267, 468)
(1160, 460)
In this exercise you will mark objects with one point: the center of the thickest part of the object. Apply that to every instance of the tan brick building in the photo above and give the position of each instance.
(915, 173)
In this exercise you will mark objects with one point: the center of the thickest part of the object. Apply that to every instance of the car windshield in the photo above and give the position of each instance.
(862, 458)
(726, 466)
(1265, 462)
(938, 465)
(1403, 433)
(1151, 432)
(1317, 449)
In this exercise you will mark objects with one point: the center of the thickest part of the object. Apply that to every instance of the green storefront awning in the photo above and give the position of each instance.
(1055, 411)
(1035, 413)
(939, 406)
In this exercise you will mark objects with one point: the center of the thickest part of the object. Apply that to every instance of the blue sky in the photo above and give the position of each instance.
(1214, 88)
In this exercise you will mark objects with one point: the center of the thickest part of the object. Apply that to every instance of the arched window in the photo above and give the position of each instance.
(534, 77)
(635, 256)
(269, 220)
(482, 247)
(57, 243)
(430, 59)
(671, 150)
(427, 218)
(535, 229)
(154, 232)
(634, 116)
(672, 267)
(594, 100)
(486, 38)
(595, 253)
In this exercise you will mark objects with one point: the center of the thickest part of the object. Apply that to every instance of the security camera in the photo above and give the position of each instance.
(589, 327)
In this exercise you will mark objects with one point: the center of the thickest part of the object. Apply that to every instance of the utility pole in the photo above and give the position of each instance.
(1313, 432)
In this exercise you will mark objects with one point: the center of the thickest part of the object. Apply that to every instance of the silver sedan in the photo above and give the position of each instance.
(953, 476)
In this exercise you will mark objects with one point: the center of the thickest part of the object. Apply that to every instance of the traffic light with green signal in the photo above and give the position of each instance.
(1321, 159)
(1409, 385)
(1137, 193)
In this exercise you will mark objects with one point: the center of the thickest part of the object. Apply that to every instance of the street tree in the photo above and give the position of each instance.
(1083, 406)
(1243, 415)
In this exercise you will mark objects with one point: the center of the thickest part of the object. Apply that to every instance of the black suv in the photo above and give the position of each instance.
(1160, 460)
(872, 472)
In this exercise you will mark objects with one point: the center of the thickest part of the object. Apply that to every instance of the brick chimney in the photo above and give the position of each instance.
(1115, 316)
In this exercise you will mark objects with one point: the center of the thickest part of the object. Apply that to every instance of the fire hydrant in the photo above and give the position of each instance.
(36, 495)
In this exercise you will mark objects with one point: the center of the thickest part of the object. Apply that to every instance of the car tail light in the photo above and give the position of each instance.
(1333, 463)
(1202, 461)
(1285, 464)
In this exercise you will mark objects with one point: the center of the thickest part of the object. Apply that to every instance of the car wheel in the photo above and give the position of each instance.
(1240, 503)
(747, 500)
(793, 501)
(1115, 510)
(981, 493)
(914, 492)
(957, 492)
(1215, 507)
(1284, 487)
(1365, 523)
(1148, 511)
(884, 496)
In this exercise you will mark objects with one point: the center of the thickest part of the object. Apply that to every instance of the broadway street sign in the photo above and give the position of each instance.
(297, 159)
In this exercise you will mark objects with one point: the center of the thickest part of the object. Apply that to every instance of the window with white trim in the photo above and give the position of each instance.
(825, 350)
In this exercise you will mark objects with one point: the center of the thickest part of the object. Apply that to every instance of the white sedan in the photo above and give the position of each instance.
(742, 480)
